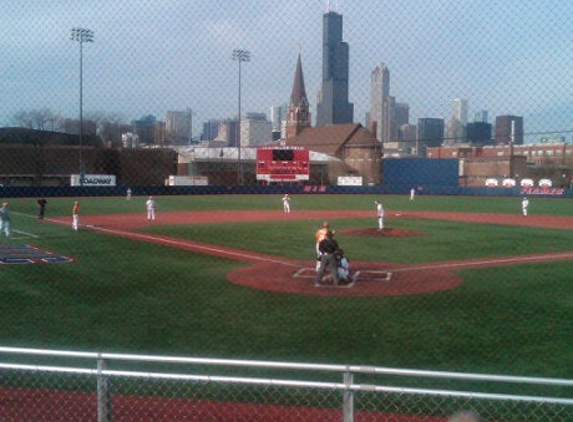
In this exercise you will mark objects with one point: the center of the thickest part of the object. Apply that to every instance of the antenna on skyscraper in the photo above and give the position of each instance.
(332, 8)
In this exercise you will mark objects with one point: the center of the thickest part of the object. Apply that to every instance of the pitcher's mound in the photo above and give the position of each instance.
(389, 232)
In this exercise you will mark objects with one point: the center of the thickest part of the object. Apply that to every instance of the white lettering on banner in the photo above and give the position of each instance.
(542, 191)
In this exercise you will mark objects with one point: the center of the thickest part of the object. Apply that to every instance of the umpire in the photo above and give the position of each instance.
(327, 248)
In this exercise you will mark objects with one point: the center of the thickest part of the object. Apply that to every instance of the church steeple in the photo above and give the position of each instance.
(298, 111)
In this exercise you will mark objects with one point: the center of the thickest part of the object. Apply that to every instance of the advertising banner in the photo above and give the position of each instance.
(93, 180)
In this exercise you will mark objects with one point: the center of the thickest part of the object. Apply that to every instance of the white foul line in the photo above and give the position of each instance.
(244, 255)
(194, 245)
(493, 262)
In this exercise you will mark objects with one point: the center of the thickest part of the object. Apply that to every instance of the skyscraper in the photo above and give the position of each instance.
(178, 125)
(333, 106)
(460, 110)
(456, 129)
(509, 129)
(278, 118)
(481, 116)
(402, 114)
(210, 129)
(430, 134)
(381, 116)
(479, 133)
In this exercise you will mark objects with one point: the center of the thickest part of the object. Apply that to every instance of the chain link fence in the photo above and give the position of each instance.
(234, 390)
(150, 83)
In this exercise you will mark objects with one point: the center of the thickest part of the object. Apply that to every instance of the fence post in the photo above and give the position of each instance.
(104, 397)
(348, 398)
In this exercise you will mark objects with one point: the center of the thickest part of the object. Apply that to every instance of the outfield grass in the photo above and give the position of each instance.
(111, 205)
(122, 295)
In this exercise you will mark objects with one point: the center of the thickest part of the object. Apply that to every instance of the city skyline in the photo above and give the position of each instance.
(148, 59)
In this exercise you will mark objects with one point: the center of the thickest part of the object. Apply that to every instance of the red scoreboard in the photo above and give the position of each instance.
(283, 164)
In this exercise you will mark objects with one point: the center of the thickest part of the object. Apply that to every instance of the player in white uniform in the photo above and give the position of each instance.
(76, 215)
(150, 204)
(5, 219)
(412, 194)
(379, 214)
(524, 205)
(286, 203)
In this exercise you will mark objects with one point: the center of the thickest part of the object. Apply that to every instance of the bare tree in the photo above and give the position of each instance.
(34, 119)
(108, 126)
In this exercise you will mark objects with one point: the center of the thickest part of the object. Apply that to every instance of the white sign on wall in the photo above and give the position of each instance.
(93, 180)
(349, 181)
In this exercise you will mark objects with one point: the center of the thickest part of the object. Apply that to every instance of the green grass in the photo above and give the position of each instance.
(443, 240)
(110, 205)
(123, 295)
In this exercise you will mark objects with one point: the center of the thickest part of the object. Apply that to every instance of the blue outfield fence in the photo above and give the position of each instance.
(385, 189)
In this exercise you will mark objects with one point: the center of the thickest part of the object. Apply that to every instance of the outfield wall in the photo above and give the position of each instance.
(77, 191)
(407, 173)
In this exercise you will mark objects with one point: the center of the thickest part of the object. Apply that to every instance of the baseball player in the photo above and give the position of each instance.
(327, 248)
(524, 205)
(42, 203)
(319, 236)
(379, 214)
(5, 219)
(286, 203)
(76, 215)
(150, 204)
(412, 194)
(343, 266)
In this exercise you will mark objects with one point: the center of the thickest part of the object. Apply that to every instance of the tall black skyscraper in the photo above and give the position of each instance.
(333, 106)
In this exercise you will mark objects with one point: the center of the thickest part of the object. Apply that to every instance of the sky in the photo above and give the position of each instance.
(148, 57)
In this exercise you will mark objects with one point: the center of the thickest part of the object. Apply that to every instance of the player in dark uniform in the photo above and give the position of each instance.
(327, 248)
(41, 207)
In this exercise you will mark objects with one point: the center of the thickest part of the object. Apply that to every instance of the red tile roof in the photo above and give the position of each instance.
(330, 139)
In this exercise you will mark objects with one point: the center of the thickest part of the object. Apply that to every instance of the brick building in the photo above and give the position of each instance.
(552, 161)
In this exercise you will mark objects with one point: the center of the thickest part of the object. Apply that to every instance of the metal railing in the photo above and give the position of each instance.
(126, 387)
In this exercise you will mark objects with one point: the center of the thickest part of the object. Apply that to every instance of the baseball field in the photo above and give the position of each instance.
(451, 283)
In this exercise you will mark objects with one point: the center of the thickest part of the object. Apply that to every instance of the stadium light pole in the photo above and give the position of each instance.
(240, 56)
(82, 35)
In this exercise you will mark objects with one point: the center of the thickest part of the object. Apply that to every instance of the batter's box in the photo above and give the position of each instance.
(305, 273)
(360, 275)
(373, 276)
